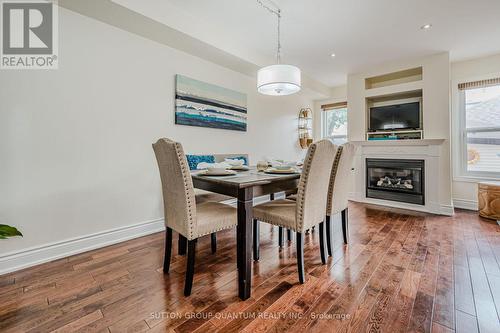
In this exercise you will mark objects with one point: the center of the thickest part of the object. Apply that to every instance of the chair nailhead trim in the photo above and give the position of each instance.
(302, 187)
(331, 187)
(277, 224)
(187, 186)
(216, 230)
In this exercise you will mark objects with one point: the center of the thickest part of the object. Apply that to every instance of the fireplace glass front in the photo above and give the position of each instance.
(396, 180)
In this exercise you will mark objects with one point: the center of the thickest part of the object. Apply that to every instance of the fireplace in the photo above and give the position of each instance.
(396, 180)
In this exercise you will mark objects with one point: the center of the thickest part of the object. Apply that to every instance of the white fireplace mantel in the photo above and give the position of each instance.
(429, 150)
(390, 143)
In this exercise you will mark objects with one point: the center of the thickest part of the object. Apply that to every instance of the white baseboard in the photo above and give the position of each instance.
(465, 204)
(448, 210)
(14, 261)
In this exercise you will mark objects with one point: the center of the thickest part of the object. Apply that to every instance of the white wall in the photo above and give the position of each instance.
(465, 192)
(75, 143)
(436, 110)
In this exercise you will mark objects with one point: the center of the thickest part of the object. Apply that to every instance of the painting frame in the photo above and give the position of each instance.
(203, 104)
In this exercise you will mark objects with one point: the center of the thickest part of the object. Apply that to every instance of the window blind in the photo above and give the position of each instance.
(479, 84)
(332, 106)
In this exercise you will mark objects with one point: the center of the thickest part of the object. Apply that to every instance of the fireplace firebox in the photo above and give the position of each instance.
(396, 180)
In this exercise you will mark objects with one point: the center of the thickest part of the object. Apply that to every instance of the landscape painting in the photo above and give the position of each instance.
(203, 104)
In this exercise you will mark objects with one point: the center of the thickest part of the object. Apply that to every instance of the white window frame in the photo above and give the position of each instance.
(459, 138)
(323, 124)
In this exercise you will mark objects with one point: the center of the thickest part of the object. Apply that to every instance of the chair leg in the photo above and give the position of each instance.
(182, 245)
(188, 284)
(345, 225)
(280, 229)
(213, 241)
(256, 232)
(288, 235)
(322, 242)
(328, 236)
(168, 250)
(300, 256)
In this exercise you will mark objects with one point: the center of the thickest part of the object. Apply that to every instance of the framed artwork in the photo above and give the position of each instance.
(203, 104)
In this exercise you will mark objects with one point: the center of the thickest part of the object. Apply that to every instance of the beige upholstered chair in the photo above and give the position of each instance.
(309, 209)
(338, 191)
(182, 213)
(202, 196)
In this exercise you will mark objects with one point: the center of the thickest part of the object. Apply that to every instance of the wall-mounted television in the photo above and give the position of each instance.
(394, 117)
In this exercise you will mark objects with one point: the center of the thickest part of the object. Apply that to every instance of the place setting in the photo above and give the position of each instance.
(229, 167)
(279, 167)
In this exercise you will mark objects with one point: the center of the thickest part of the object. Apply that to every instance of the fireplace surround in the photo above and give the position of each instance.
(437, 172)
(396, 180)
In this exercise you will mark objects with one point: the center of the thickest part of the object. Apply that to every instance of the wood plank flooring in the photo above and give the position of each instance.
(401, 272)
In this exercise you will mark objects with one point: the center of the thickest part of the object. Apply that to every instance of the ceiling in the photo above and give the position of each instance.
(361, 33)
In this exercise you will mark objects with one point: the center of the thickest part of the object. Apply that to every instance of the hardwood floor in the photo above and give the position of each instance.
(401, 272)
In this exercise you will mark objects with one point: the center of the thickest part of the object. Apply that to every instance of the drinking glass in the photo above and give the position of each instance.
(261, 165)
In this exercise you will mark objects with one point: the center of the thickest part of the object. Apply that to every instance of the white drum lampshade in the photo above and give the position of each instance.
(278, 80)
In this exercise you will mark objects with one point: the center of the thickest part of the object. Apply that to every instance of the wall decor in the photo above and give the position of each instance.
(305, 127)
(203, 104)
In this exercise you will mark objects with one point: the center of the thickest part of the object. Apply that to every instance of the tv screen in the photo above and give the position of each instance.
(393, 117)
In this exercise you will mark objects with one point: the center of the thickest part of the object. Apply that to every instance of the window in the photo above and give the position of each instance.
(334, 122)
(480, 128)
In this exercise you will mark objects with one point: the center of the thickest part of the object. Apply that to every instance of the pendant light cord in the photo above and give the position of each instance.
(276, 12)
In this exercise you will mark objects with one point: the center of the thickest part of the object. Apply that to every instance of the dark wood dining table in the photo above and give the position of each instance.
(245, 186)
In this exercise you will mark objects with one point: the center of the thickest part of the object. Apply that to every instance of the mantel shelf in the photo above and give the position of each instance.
(423, 142)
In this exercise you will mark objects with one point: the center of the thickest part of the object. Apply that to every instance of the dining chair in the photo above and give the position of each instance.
(190, 219)
(309, 208)
(338, 191)
(202, 196)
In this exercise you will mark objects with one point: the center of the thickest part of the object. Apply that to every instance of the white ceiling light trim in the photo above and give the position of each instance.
(279, 79)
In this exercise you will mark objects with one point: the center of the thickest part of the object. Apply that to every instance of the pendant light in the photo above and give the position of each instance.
(279, 79)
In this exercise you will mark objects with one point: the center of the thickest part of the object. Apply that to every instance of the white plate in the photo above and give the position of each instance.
(219, 173)
(286, 171)
(240, 167)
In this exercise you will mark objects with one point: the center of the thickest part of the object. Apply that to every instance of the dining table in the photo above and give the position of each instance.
(245, 186)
